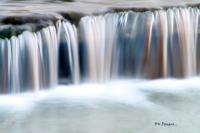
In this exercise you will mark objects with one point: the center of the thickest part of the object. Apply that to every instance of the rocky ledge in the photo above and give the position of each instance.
(19, 16)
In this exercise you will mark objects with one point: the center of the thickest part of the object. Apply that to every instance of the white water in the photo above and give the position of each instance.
(123, 91)
(117, 106)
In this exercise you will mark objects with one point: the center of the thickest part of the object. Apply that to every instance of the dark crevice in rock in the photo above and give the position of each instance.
(73, 17)
(33, 18)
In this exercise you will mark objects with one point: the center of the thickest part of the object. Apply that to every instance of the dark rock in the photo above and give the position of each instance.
(15, 25)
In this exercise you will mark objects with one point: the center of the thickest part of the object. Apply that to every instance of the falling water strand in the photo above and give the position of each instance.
(69, 42)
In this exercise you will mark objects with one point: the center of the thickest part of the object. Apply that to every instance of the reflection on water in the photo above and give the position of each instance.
(115, 107)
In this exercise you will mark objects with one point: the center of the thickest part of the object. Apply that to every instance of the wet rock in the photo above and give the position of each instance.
(15, 25)
(73, 17)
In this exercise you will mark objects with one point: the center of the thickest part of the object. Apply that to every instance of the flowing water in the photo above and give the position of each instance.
(126, 106)
(99, 67)
(147, 45)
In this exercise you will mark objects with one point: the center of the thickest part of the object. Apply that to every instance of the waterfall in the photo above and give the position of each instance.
(69, 50)
(29, 61)
(151, 44)
(156, 44)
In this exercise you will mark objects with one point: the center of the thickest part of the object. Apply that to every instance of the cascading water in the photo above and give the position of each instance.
(155, 44)
(69, 56)
(29, 61)
(99, 66)
(152, 44)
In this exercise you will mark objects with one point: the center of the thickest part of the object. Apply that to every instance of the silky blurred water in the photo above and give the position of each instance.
(128, 106)
(124, 106)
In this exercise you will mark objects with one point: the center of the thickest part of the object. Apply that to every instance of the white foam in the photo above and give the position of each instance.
(129, 92)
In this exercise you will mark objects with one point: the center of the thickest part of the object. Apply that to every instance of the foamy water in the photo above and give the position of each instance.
(117, 106)
(129, 92)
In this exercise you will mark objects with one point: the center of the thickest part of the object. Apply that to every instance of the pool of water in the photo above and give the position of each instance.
(125, 106)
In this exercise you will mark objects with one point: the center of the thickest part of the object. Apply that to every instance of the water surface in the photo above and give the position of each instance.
(115, 107)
